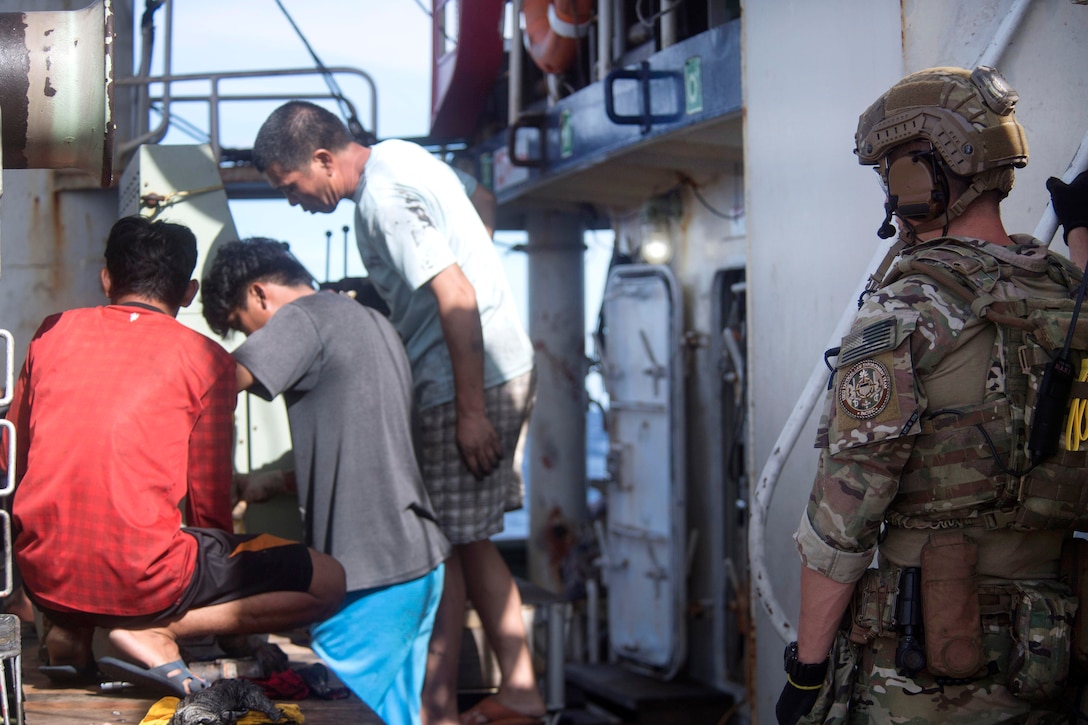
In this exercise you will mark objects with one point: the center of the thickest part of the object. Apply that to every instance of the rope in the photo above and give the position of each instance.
(159, 202)
(1076, 430)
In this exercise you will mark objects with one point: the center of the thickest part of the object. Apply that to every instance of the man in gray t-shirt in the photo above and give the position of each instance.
(347, 383)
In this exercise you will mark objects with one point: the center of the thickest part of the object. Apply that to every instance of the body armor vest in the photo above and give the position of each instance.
(970, 466)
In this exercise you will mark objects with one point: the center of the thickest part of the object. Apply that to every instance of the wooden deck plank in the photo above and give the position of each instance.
(46, 703)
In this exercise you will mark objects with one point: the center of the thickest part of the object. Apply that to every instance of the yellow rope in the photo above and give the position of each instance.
(1076, 429)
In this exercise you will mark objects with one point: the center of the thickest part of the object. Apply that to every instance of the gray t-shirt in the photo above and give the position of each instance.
(413, 219)
(347, 384)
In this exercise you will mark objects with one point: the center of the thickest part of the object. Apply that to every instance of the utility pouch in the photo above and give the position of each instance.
(1042, 627)
(950, 607)
(1075, 572)
(873, 612)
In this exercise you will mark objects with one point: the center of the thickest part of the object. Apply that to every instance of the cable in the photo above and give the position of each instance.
(649, 22)
(690, 183)
(1076, 429)
(361, 134)
(184, 125)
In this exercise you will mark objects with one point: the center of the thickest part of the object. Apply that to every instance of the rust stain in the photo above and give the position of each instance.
(558, 540)
(560, 366)
(60, 242)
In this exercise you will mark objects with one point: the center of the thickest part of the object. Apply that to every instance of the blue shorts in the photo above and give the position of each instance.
(377, 644)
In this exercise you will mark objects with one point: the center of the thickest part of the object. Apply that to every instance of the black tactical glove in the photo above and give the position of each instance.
(1070, 201)
(803, 684)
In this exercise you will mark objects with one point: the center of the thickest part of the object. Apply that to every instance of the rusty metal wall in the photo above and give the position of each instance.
(53, 224)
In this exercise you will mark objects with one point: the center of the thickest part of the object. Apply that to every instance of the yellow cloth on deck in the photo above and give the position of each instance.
(161, 712)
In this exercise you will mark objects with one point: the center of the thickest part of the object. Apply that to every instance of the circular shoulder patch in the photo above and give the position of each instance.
(865, 390)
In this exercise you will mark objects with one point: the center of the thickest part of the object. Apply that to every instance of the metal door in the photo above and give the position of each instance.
(645, 558)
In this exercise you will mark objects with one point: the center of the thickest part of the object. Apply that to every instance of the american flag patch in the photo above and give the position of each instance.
(868, 341)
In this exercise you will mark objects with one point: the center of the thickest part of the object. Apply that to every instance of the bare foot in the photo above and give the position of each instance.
(152, 647)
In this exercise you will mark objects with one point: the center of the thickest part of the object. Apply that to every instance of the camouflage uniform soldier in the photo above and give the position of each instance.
(928, 459)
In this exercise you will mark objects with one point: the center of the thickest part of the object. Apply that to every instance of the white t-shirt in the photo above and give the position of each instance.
(413, 220)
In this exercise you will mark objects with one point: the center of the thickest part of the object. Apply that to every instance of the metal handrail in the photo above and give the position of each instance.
(9, 371)
(8, 486)
(215, 98)
(764, 490)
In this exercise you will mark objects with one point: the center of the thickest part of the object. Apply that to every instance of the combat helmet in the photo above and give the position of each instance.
(966, 116)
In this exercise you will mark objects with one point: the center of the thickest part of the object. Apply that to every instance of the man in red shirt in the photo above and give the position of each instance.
(122, 414)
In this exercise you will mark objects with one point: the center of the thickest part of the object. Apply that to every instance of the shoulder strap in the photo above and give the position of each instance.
(960, 268)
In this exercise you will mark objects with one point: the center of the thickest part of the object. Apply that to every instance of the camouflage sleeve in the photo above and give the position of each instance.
(866, 434)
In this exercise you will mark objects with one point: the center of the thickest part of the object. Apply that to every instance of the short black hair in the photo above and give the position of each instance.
(154, 259)
(238, 264)
(291, 134)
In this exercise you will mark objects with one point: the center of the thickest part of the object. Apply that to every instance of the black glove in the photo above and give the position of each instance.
(794, 703)
(1070, 201)
(803, 685)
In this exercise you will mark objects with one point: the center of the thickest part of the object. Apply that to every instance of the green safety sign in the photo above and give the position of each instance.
(693, 85)
(566, 134)
(487, 171)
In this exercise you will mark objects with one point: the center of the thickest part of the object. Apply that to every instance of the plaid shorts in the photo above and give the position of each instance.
(468, 509)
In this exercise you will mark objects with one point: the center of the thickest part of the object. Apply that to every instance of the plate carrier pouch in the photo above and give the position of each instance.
(950, 609)
(1042, 627)
(954, 477)
(872, 610)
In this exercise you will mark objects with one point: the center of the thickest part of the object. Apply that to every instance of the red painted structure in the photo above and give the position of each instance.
(462, 76)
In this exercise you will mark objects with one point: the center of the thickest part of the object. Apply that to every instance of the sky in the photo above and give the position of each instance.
(389, 40)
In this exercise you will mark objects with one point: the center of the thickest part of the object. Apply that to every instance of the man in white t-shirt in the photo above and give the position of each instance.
(431, 259)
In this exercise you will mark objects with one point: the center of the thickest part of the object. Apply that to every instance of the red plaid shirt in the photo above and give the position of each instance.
(120, 414)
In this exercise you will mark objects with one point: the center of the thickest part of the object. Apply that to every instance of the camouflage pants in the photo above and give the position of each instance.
(881, 695)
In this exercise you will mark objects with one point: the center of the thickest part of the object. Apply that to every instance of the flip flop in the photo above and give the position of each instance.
(70, 674)
(173, 678)
(490, 711)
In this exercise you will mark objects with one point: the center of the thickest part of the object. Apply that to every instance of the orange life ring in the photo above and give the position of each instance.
(553, 29)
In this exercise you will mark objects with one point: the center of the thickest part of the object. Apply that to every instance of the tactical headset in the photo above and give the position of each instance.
(917, 186)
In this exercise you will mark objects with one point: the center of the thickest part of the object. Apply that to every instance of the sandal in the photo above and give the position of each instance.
(174, 678)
